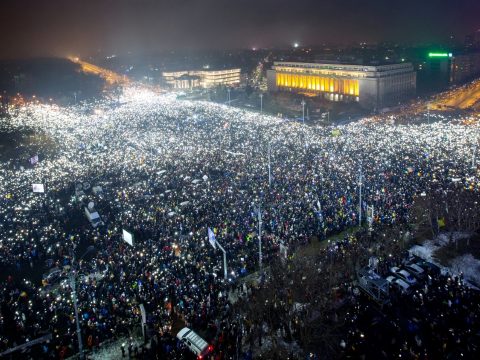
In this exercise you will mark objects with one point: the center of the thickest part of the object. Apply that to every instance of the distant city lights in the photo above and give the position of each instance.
(441, 55)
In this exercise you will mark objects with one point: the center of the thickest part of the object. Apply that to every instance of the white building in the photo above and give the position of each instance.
(371, 86)
(190, 79)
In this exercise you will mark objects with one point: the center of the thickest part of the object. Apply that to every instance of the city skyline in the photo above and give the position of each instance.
(63, 28)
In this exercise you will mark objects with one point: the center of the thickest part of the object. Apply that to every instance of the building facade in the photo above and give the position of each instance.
(464, 67)
(443, 69)
(190, 79)
(370, 86)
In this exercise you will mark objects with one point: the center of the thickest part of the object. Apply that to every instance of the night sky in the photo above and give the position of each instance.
(83, 27)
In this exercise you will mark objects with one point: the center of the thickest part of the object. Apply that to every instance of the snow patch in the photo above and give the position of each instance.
(465, 264)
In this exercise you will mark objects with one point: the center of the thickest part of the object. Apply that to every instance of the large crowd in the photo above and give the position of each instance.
(439, 320)
(168, 170)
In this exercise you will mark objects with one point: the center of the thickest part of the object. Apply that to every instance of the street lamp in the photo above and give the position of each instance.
(259, 214)
(474, 152)
(303, 111)
(73, 285)
(261, 103)
(303, 118)
(269, 165)
(360, 183)
(228, 91)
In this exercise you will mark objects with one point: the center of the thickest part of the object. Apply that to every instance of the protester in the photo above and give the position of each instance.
(168, 170)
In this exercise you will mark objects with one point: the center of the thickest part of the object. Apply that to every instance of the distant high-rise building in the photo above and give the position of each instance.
(469, 41)
(472, 41)
(476, 39)
(452, 68)
(464, 67)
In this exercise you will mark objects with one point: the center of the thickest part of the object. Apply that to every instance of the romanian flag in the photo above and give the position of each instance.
(336, 132)
(441, 222)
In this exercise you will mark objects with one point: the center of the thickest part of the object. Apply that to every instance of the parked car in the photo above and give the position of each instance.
(404, 275)
(52, 276)
(429, 267)
(416, 270)
(399, 284)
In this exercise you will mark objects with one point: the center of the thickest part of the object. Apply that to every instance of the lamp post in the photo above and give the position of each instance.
(360, 183)
(261, 103)
(259, 214)
(303, 119)
(269, 165)
(303, 111)
(474, 153)
(228, 91)
(260, 239)
(73, 285)
(224, 259)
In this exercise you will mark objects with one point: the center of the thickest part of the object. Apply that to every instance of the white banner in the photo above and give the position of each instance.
(38, 188)
(211, 238)
(34, 160)
(127, 237)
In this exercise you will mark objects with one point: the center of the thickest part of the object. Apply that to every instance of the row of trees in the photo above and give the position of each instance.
(304, 295)
(453, 209)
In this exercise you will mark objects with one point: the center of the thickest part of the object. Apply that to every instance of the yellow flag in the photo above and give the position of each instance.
(441, 222)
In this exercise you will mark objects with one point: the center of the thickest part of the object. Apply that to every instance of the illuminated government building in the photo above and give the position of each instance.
(371, 86)
(205, 78)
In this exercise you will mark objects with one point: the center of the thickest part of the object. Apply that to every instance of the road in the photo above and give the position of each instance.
(464, 97)
(112, 78)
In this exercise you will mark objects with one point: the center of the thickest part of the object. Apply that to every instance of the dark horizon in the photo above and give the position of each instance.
(81, 28)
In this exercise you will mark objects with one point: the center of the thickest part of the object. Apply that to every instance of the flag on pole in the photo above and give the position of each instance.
(211, 238)
(127, 237)
(336, 132)
(34, 160)
(38, 188)
(441, 222)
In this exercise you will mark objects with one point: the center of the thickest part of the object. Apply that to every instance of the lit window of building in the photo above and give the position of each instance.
(371, 86)
(190, 79)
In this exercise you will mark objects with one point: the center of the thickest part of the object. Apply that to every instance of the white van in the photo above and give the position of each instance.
(93, 217)
(194, 342)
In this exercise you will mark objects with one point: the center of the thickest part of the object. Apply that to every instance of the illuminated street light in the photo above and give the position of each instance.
(474, 153)
(269, 165)
(303, 111)
(73, 282)
(361, 178)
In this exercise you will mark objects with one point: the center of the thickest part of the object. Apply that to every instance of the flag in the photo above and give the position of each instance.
(34, 160)
(127, 237)
(336, 132)
(211, 238)
(441, 222)
(38, 188)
